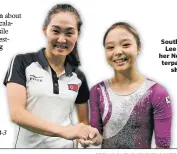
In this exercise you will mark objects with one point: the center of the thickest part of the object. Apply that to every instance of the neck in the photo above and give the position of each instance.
(127, 77)
(55, 61)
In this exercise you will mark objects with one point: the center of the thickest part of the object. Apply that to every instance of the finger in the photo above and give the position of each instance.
(94, 139)
(85, 143)
(81, 141)
(83, 136)
(93, 133)
(88, 142)
(87, 130)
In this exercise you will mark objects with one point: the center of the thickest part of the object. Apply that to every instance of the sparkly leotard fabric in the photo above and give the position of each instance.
(128, 120)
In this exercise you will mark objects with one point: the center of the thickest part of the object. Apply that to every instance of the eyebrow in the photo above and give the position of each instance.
(125, 40)
(57, 27)
(111, 42)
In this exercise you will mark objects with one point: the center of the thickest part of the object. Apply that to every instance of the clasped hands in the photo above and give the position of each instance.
(92, 137)
(85, 134)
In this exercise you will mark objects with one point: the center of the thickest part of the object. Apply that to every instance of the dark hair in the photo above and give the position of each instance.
(128, 27)
(73, 57)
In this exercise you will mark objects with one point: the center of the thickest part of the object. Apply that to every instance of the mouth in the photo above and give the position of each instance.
(61, 46)
(120, 61)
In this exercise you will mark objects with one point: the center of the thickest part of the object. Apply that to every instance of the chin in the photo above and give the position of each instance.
(60, 53)
(121, 68)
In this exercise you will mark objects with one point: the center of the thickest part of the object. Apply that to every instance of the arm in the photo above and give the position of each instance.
(25, 119)
(82, 99)
(162, 116)
(82, 112)
(95, 112)
(95, 115)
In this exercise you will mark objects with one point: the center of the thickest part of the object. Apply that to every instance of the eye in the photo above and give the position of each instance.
(69, 34)
(126, 45)
(109, 47)
(55, 31)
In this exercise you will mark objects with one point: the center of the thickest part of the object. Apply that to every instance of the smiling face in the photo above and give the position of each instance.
(121, 49)
(61, 33)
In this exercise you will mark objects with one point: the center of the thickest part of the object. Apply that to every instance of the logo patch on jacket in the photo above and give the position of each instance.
(168, 100)
(35, 78)
(73, 87)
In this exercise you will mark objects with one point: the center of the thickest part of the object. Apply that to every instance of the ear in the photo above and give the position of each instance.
(44, 29)
(78, 36)
(139, 50)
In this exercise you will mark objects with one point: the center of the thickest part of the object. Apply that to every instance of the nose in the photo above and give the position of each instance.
(61, 38)
(118, 51)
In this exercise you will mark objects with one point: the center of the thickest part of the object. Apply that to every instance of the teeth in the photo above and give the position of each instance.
(61, 46)
(120, 60)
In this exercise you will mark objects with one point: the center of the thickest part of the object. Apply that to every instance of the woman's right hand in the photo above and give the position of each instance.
(94, 138)
(78, 131)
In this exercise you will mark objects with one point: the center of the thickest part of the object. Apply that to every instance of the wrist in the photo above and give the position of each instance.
(62, 131)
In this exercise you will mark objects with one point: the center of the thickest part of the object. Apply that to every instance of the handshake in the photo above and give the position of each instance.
(85, 134)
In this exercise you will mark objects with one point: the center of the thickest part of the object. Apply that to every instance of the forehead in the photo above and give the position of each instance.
(63, 20)
(118, 34)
